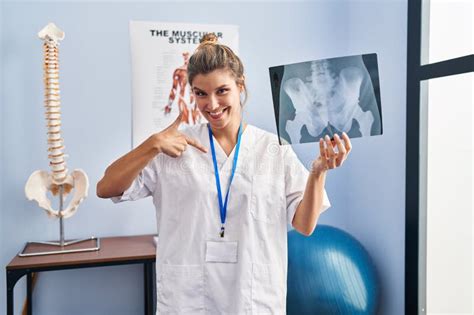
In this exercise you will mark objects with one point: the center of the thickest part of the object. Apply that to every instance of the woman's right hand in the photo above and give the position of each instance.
(121, 173)
(172, 142)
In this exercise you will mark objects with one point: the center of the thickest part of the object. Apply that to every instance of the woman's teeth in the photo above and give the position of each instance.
(217, 114)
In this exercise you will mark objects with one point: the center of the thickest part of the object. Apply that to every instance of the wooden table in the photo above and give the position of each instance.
(113, 251)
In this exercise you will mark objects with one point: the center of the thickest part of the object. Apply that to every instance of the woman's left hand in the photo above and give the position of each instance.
(329, 158)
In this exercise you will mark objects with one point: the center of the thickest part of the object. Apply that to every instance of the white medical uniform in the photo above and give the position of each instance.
(268, 184)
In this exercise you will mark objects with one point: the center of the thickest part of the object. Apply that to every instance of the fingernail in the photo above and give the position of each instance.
(336, 135)
(327, 137)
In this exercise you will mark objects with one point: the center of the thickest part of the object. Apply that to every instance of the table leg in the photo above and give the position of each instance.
(153, 287)
(12, 278)
(29, 287)
(148, 281)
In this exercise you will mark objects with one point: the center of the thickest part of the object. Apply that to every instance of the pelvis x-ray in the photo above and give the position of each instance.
(322, 97)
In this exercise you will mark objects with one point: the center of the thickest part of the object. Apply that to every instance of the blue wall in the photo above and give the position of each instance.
(367, 193)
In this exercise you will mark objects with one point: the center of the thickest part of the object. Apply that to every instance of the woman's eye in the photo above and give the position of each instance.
(199, 93)
(221, 91)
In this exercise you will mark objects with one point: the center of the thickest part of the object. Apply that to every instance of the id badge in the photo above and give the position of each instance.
(225, 252)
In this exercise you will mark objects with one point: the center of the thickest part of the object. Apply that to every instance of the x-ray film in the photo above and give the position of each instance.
(323, 97)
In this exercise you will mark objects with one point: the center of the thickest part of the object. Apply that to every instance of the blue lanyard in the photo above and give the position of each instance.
(223, 206)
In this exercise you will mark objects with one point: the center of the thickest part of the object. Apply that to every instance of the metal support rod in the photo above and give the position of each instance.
(61, 223)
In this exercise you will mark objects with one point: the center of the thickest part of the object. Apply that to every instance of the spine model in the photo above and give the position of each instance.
(58, 181)
(53, 108)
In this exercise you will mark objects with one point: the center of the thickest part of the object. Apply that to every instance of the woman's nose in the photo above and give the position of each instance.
(213, 104)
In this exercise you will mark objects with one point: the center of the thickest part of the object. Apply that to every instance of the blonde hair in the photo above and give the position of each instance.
(210, 56)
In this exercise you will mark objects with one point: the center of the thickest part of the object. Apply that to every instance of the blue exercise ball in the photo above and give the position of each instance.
(330, 272)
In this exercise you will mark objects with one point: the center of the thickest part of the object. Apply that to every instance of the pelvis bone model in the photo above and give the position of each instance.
(40, 182)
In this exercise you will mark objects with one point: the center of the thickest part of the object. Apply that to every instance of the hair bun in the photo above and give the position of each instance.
(209, 38)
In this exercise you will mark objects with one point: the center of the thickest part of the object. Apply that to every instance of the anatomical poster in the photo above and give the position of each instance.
(322, 97)
(160, 91)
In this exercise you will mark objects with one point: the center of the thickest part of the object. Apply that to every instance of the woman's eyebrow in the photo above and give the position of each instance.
(221, 87)
(197, 89)
(218, 88)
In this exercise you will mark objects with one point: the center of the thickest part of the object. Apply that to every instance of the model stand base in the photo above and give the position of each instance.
(52, 248)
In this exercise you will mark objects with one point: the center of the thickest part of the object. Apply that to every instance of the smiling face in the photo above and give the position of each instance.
(217, 96)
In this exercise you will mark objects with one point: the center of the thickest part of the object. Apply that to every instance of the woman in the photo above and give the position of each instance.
(225, 193)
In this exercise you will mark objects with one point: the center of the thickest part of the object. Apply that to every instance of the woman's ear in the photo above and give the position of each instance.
(242, 85)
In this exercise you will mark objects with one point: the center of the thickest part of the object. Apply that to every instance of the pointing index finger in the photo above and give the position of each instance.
(196, 144)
